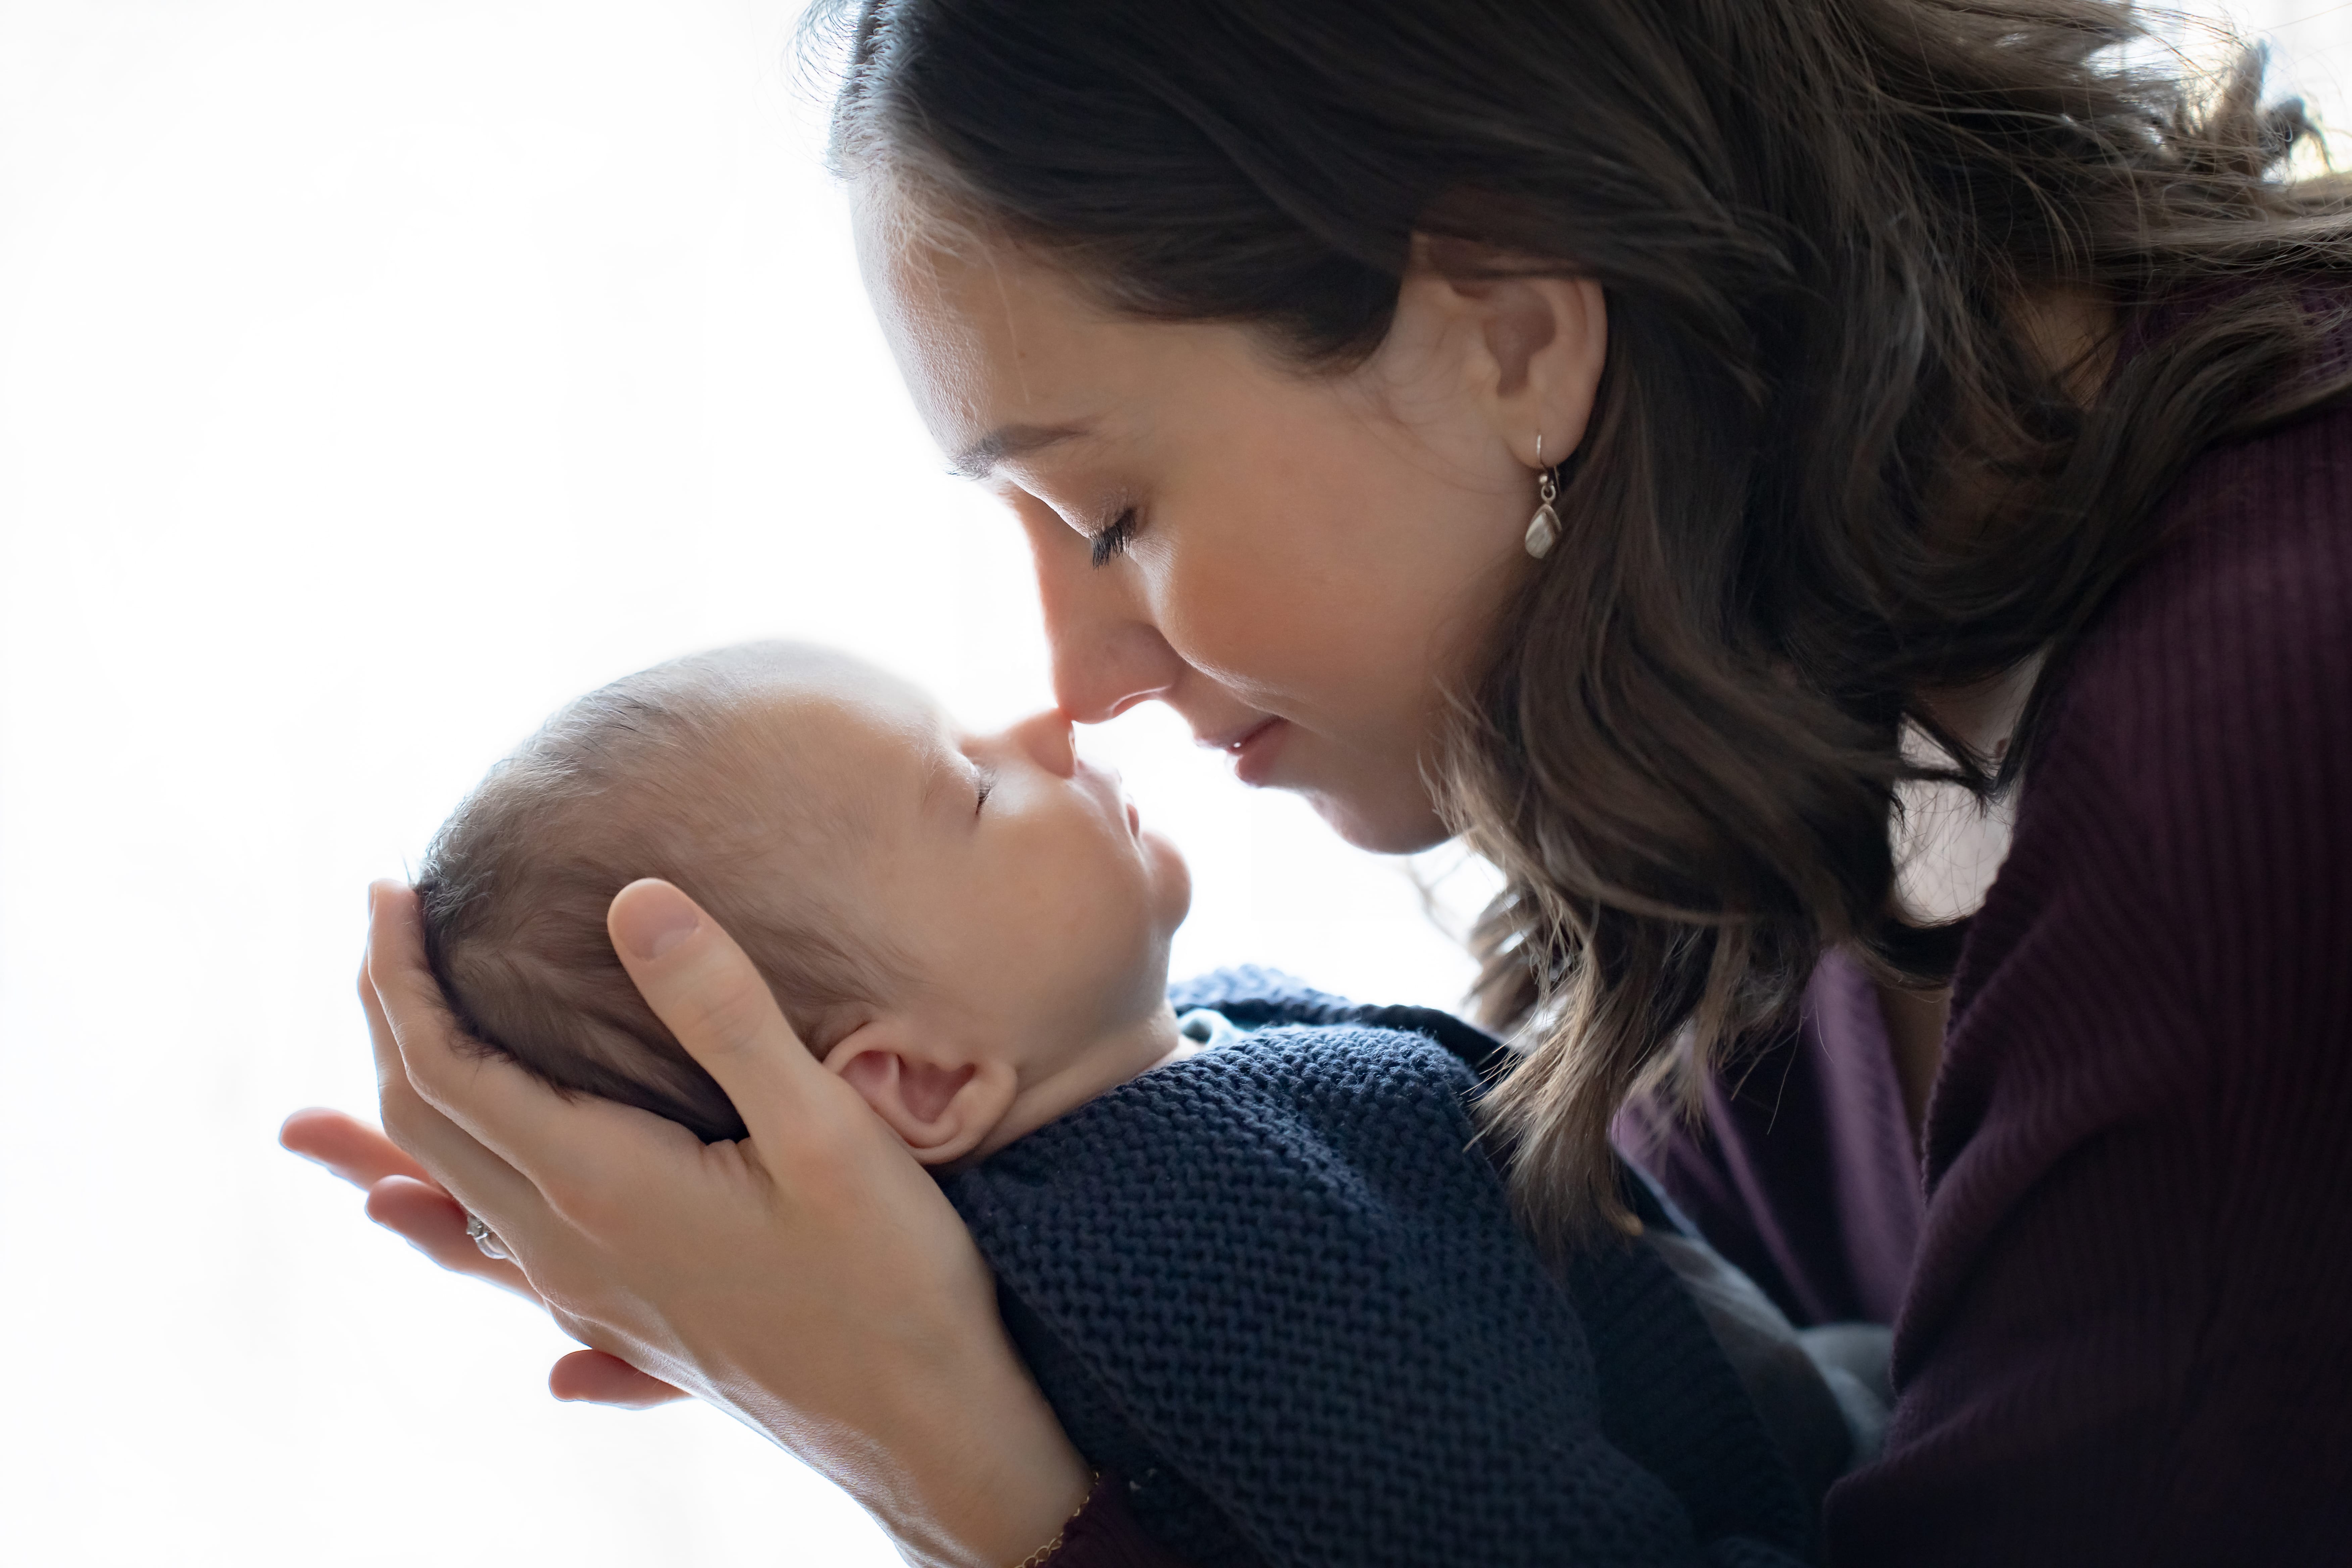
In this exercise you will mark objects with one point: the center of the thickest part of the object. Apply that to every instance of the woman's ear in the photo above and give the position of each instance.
(939, 1108)
(1530, 349)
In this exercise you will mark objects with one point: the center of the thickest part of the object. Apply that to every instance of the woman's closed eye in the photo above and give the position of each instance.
(983, 786)
(1112, 538)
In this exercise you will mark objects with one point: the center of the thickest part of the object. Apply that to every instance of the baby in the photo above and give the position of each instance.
(1276, 1285)
(972, 930)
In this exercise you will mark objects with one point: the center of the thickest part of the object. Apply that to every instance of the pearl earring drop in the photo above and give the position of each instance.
(1543, 529)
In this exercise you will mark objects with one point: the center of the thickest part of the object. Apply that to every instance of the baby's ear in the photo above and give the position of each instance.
(939, 1106)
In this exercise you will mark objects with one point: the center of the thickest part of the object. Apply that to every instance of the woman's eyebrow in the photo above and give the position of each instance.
(976, 461)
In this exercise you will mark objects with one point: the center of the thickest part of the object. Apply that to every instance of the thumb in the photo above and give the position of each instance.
(714, 1000)
(592, 1378)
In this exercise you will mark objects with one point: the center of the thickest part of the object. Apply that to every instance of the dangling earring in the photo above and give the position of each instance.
(1543, 529)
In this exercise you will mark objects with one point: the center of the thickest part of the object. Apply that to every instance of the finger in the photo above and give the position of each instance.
(509, 1147)
(405, 1021)
(434, 1223)
(347, 1146)
(699, 983)
(592, 1378)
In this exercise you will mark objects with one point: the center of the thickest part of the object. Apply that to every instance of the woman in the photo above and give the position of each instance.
(1658, 442)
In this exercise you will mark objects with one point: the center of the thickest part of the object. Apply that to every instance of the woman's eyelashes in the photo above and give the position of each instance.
(1112, 538)
(983, 784)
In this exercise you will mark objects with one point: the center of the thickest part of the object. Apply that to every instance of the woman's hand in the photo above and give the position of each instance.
(810, 1280)
(405, 1201)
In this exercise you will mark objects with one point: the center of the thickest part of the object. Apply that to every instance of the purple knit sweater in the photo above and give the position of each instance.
(2121, 1278)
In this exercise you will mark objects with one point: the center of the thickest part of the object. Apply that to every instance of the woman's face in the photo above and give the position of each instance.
(1300, 564)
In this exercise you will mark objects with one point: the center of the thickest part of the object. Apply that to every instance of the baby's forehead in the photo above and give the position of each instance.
(840, 724)
(793, 742)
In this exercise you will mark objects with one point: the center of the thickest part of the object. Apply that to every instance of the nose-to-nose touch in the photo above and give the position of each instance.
(1046, 738)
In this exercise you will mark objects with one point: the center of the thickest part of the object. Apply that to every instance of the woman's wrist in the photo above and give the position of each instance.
(951, 1447)
(992, 1486)
(1011, 1523)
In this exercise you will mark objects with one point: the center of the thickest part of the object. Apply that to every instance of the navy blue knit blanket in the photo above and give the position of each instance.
(1279, 1287)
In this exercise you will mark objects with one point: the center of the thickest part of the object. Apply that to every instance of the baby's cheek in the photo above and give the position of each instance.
(1101, 918)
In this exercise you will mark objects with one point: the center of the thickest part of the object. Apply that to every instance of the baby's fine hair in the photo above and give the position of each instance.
(661, 773)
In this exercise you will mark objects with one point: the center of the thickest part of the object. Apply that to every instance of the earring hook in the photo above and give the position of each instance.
(1543, 529)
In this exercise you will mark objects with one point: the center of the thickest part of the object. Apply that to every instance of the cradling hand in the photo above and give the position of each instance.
(811, 1278)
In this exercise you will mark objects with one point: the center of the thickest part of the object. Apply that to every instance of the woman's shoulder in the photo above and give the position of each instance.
(2172, 894)
(2213, 694)
(2136, 1130)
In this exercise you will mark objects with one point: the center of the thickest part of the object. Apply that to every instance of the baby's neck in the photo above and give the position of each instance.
(1111, 1060)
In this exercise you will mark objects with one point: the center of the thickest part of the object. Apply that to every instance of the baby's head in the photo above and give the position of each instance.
(971, 929)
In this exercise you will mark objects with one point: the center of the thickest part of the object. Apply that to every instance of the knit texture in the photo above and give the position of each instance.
(1279, 1288)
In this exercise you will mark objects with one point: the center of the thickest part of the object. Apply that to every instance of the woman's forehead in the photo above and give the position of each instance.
(1000, 349)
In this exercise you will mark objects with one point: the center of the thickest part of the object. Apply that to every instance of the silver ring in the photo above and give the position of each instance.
(485, 1237)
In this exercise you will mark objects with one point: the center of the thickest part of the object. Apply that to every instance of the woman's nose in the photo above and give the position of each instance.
(1110, 670)
(1045, 739)
(1107, 658)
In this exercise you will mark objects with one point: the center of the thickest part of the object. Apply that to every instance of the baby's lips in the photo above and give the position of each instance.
(1125, 801)
(1111, 781)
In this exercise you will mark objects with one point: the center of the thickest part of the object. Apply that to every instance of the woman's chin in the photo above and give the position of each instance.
(1385, 827)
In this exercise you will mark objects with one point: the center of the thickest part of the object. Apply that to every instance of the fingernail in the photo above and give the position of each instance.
(653, 922)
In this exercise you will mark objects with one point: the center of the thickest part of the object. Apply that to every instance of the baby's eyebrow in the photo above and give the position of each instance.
(938, 770)
(934, 771)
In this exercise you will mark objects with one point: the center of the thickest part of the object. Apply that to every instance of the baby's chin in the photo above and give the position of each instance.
(1171, 882)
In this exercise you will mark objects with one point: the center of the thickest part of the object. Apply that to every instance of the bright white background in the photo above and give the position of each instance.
(375, 375)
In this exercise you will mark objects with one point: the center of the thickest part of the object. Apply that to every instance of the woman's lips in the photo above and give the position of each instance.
(1254, 751)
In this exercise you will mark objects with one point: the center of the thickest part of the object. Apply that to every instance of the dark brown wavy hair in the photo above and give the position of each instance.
(1826, 473)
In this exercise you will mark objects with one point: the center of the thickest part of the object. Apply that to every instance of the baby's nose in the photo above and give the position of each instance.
(1045, 737)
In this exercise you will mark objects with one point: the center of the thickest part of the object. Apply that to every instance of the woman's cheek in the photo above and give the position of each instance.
(1236, 619)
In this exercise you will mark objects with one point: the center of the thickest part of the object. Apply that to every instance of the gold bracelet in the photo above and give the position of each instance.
(1044, 1554)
